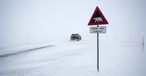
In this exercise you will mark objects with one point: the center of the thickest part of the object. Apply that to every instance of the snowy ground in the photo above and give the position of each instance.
(66, 58)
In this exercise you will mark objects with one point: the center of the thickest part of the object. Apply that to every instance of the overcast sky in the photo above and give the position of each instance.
(38, 19)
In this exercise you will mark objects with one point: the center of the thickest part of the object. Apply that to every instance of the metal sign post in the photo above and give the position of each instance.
(98, 52)
(98, 29)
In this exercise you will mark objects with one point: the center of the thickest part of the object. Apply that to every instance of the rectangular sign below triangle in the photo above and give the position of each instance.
(97, 18)
(98, 29)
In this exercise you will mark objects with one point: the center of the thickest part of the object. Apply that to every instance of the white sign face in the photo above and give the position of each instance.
(98, 29)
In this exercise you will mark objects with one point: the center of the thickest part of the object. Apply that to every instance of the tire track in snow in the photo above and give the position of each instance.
(24, 51)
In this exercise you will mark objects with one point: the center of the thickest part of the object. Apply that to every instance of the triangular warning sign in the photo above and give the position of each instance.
(97, 18)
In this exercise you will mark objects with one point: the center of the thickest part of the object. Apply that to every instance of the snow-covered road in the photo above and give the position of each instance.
(77, 59)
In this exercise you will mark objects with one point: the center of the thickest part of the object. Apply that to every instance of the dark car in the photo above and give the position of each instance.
(75, 37)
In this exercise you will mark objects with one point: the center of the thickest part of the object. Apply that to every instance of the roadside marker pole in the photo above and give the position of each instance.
(129, 37)
(142, 44)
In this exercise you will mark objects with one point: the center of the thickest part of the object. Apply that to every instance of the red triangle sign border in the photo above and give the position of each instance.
(99, 20)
